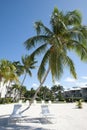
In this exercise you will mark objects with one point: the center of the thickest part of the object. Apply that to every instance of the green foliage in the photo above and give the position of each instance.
(65, 34)
(60, 96)
(5, 100)
(8, 71)
(29, 94)
(79, 104)
(57, 92)
(44, 94)
(72, 99)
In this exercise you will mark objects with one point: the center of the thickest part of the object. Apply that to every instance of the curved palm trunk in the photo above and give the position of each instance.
(22, 84)
(38, 89)
(24, 79)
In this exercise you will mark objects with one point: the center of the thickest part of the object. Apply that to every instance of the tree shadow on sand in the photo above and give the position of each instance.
(4, 124)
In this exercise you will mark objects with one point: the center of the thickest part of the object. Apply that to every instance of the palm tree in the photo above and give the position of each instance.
(8, 73)
(66, 34)
(24, 68)
(19, 68)
(44, 93)
(28, 64)
(16, 88)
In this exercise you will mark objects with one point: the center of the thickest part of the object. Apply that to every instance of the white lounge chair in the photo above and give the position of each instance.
(43, 102)
(47, 115)
(49, 102)
(27, 102)
(20, 102)
(15, 116)
(35, 102)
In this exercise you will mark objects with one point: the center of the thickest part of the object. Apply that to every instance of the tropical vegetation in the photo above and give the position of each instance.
(53, 44)
(66, 34)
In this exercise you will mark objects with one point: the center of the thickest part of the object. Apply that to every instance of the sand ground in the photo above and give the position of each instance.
(67, 117)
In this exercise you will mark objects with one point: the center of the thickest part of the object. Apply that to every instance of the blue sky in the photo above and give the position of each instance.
(17, 19)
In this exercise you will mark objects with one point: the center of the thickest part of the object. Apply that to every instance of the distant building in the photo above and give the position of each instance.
(84, 92)
(7, 91)
(76, 93)
(3, 89)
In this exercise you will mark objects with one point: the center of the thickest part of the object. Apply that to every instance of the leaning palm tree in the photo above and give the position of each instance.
(24, 68)
(28, 62)
(66, 34)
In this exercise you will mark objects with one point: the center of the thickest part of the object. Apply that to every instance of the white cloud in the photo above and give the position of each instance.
(68, 79)
(84, 77)
(35, 86)
(81, 83)
(56, 83)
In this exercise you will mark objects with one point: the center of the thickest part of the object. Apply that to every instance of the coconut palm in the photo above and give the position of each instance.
(28, 64)
(19, 68)
(24, 68)
(16, 89)
(8, 73)
(66, 34)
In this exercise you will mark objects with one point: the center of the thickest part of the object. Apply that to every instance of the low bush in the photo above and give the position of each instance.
(79, 104)
(5, 100)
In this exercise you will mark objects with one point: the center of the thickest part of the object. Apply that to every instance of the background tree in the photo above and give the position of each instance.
(8, 74)
(57, 91)
(8, 71)
(29, 94)
(28, 64)
(44, 93)
(24, 68)
(19, 68)
(15, 90)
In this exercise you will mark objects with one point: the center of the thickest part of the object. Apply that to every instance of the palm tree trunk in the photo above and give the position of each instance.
(38, 89)
(24, 79)
(7, 87)
(22, 84)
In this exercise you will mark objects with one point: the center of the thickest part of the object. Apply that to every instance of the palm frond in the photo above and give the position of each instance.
(77, 34)
(52, 63)
(71, 66)
(81, 50)
(42, 68)
(73, 18)
(42, 29)
(29, 72)
(33, 41)
(40, 49)
(59, 66)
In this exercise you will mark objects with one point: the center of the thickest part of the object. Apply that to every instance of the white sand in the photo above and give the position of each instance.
(68, 117)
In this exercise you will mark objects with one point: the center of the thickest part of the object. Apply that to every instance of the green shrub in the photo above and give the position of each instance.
(79, 104)
(5, 100)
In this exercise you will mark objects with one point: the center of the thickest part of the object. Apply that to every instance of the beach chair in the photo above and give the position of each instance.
(20, 102)
(49, 102)
(45, 112)
(27, 102)
(15, 116)
(43, 102)
(35, 102)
